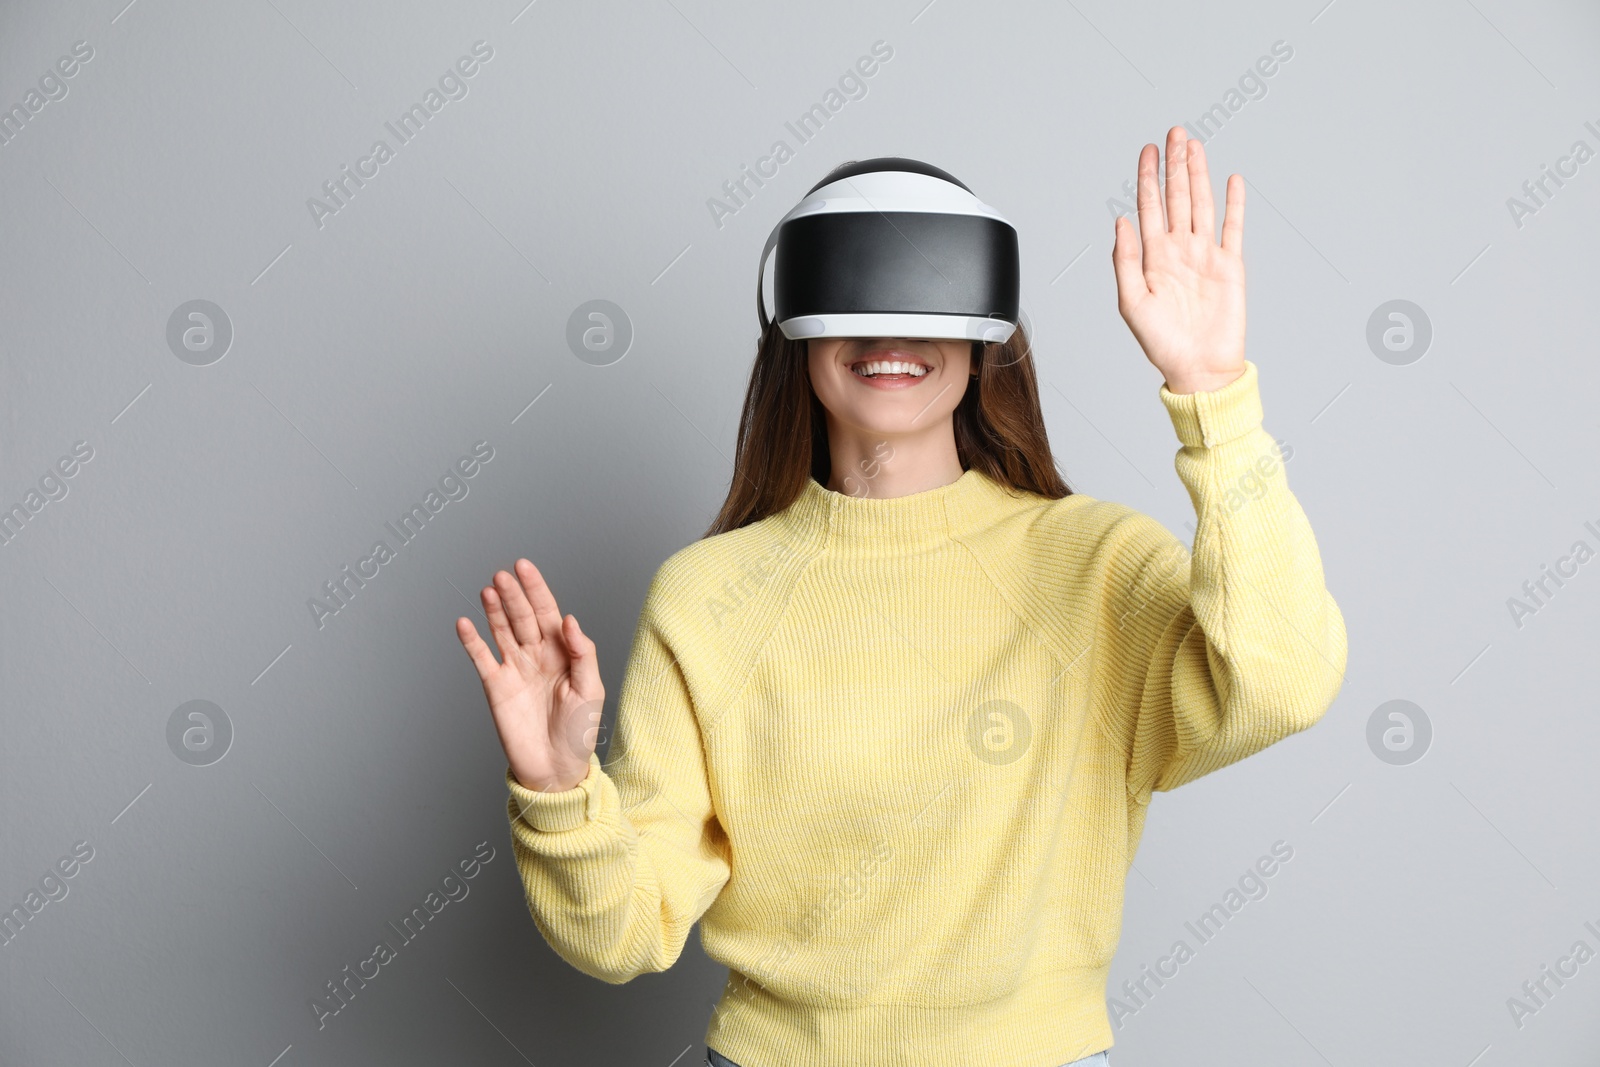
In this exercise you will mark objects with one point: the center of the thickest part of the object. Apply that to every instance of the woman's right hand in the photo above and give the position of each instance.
(546, 695)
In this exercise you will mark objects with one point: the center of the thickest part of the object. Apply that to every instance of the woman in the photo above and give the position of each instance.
(890, 729)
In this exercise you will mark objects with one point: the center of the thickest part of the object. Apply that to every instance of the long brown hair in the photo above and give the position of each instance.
(783, 430)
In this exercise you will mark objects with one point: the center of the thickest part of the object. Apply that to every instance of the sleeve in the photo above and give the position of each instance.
(619, 868)
(1225, 653)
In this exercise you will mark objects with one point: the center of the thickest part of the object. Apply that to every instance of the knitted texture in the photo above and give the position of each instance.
(895, 755)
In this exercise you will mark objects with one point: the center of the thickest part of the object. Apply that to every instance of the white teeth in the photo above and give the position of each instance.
(881, 366)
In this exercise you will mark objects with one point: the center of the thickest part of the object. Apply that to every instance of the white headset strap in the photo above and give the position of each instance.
(761, 268)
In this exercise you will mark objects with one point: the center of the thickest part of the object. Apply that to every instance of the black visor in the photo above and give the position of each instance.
(897, 261)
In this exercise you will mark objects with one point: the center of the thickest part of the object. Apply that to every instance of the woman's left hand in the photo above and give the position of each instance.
(1182, 294)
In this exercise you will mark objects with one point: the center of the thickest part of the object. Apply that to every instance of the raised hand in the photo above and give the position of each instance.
(546, 695)
(1180, 293)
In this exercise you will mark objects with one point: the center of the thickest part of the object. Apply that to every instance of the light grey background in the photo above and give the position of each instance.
(431, 311)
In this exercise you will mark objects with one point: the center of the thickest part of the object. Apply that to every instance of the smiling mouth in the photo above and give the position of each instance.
(885, 368)
(899, 365)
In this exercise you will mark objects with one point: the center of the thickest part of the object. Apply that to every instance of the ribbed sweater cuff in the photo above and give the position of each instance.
(1210, 418)
(563, 810)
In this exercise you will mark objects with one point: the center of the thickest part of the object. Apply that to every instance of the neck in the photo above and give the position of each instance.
(888, 465)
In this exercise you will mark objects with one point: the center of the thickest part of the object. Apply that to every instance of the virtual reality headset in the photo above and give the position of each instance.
(892, 247)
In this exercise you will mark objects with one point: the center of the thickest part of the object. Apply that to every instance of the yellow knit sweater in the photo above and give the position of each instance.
(895, 754)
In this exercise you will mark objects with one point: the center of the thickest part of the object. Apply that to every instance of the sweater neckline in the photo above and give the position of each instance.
(884, 526)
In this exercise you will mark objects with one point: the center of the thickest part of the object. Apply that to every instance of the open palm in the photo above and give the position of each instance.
(545, 694)
(1181, 293)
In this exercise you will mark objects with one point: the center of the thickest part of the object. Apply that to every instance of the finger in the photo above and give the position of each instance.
(1177, 180)
(585, 663)
(518, 610)
(540, 596)
(1203, 209)
(1233, 216)
(1131, 287)
(1152, 228)
(499, 625)
(482, 658)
